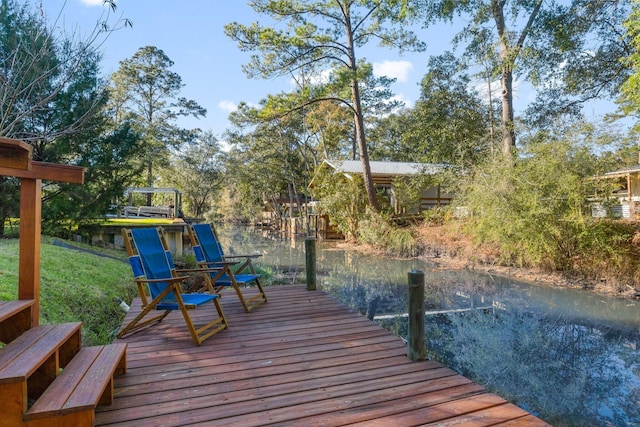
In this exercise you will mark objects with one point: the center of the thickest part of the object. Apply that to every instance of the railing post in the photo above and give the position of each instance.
(310, 259)
(29, 251)
(416, 349)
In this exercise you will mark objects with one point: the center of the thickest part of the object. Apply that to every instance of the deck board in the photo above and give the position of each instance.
(302, 359)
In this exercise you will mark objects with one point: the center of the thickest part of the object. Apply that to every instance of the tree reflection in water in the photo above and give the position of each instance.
(567, 373)
(570, 372)
(567, 356)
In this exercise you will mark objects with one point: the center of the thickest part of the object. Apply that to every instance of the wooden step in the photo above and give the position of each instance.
(31, 362)
(85, 383)
(15, 319)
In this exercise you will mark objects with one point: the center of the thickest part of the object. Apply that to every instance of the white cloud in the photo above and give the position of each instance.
(482, 89)
(227, 105)
(92, 2)
(224, 145)
(395, 69)
(312, 79)
(408, 102)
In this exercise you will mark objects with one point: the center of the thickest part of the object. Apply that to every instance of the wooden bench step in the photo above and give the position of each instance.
(30, 363)
(15, 319)
(24, 355)
(85, 383)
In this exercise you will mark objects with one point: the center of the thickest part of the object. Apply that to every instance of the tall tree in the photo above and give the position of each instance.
(448, 124)
(547, 41)
(323, 35)
(582, 56)
(630, 95)
(49, 84)
(330, 124)
(98, 150)
(198, 170)
(39, 62)
(146, 92)
(512, 24)
(270, 159)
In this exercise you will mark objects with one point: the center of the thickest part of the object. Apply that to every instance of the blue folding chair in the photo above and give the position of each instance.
(160, 287)
(208, 252)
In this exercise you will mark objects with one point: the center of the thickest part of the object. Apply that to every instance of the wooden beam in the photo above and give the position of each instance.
(15, 154)
(29, 260)
(48, 172)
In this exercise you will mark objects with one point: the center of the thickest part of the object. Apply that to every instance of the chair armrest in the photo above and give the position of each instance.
(168, 279)
(244, 256)
(221, 263)
(199, 270)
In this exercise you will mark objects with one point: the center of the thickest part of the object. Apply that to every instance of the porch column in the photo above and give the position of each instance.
(30, 227)
(629, 192)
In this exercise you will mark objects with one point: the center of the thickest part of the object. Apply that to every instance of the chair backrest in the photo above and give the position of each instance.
(209, 244)
(151, 258)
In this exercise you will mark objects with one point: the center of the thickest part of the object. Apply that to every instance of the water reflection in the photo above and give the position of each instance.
(569, 356)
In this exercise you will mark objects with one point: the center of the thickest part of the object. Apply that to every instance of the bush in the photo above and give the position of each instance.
(377, 230)
(534, 210)
(342, 199)
(437, 216)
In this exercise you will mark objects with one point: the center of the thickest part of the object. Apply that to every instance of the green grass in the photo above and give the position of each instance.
(74, 286)
(78, 286)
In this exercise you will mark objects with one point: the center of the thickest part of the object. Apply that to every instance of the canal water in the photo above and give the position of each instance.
(569, 356)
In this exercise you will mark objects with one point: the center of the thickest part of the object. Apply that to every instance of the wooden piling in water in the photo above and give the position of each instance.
(310, 259)
(416, 348)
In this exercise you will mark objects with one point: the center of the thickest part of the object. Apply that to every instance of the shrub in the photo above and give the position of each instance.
(343, 199)
(377, 230)
(534, 210)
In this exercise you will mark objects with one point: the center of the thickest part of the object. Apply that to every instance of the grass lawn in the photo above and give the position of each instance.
(74, 286)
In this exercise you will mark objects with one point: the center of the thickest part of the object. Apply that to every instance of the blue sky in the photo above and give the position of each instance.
(190, 32)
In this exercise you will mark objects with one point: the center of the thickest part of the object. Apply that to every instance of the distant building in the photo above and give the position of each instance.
(384, 175)
(626, 189)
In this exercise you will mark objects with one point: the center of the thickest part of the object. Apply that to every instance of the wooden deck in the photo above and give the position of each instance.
(302, 359)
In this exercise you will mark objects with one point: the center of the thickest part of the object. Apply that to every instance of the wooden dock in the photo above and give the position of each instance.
(302, 359)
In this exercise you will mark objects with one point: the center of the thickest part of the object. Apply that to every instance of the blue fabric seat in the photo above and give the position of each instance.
(208, 252)
(160, 286)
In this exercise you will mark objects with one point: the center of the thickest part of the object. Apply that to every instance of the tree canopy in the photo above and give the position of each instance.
(146, 92)
(51, 89)
(308, 37)
(570, 52)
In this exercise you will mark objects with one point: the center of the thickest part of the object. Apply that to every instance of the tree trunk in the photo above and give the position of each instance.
(362, 149)
(354, 144)
(358, 119)
(290, 189)
(508, 128)
(507, 58)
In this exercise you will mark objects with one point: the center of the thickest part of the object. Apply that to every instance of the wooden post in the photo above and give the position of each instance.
(15, 160)
(310, 258)
(416, 349)
(29, 260)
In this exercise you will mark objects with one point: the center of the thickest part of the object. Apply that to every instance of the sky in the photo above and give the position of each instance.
(190, 32)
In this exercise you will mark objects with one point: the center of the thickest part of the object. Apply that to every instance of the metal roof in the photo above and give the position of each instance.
(623, 172)
(387, 168)
(151, 190)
